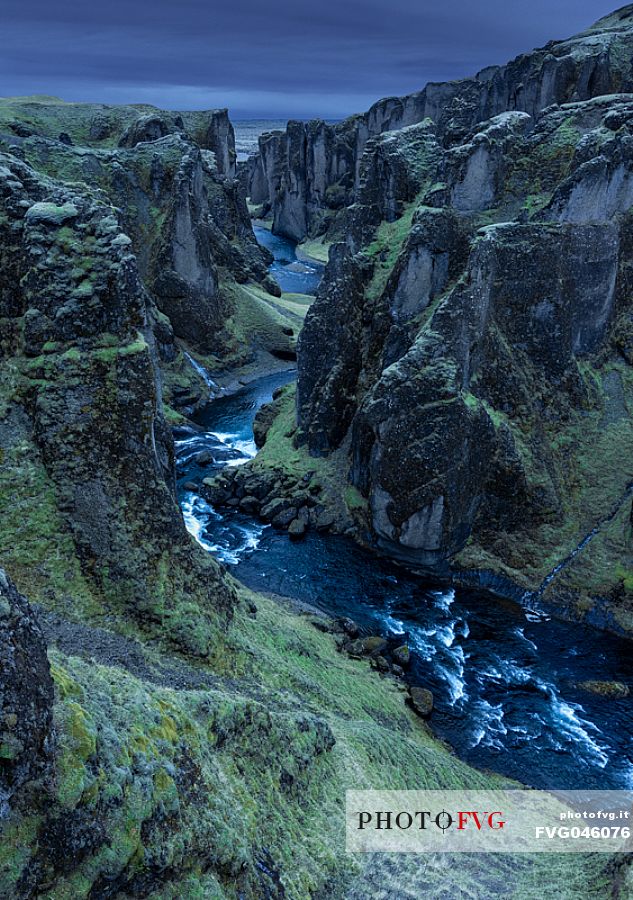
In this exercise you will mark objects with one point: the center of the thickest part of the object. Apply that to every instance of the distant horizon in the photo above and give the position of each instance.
(280, 62)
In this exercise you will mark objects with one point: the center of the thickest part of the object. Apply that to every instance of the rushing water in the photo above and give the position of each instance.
(505, 683)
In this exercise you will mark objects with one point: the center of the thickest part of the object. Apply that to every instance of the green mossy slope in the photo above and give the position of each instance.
(236, 788)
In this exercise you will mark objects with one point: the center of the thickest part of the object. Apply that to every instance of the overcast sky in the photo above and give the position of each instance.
(267, 58)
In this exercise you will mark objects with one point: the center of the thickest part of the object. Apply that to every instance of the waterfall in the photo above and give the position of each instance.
(202, 372)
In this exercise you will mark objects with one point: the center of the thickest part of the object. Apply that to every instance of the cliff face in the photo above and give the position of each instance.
(473, 344)
(26, 697)
(146, 748)
(162, 733)
(189, 226)
(126, 719)
(171, 178)
(305, 175)
(83, 422)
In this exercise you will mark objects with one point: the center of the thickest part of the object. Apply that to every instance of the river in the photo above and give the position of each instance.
(291, 274)
(504, 679)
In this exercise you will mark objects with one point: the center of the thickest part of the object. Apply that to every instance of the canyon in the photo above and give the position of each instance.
(467, 357)
(174, 726)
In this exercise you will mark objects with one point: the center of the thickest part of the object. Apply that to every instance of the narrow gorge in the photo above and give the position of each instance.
(316, 476)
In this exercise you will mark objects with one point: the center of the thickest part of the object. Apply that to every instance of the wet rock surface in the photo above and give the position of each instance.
(421, 700)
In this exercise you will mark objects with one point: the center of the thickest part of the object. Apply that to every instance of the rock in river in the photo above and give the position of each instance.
(297, 529)
(401, 655)
(614, 690)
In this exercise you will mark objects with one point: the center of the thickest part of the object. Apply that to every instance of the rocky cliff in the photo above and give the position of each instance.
(305, 175)
(85, 447)
(101, 126)
(470, 346)
(163, 732)
(172, 178)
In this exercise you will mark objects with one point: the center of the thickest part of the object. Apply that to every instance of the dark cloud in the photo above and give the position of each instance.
(265, 59)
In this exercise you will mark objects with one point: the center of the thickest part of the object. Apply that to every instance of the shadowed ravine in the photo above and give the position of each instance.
(505, 682)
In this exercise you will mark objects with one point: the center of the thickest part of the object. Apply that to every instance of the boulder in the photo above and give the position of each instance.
(249, 504)
(261, 424)
(216, 492)
(613, 690)
(324, 520)
(421, 700)
(366, 646)
(380, 663)
(283, 519)
(204, 458)
(274, 508)
(401, 655)
(297, 529)
(258, 484)
(183, 431)
(348, 626)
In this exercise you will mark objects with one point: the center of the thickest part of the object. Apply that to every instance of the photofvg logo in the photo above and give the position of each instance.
(517, 821)
(424, 818)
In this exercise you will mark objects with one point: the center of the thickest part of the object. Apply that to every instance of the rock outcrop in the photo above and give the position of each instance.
(120, 746)
(26, 702)
(471, 339)
(171, 178)
(305, 175)
(83, 401)
(164, 732)
(187, 222)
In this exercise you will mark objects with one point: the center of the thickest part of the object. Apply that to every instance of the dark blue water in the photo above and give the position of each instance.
(504, 684)
(291, 274)
(504, 680)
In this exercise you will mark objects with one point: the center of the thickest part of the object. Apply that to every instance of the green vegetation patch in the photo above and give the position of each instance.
(384, 250)
(209, 789)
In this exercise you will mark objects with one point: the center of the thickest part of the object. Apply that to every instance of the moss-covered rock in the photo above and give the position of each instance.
(84, 436)
(477, 378)
(174, 781)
